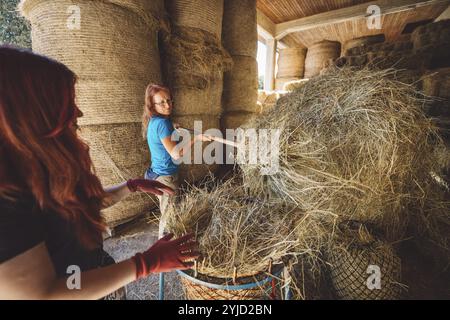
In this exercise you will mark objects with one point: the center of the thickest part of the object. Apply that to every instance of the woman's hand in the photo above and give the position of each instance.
(167, 255)
(202, 137)
(149, 186)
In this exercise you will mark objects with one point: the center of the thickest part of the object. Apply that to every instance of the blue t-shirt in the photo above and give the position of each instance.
(158, 129)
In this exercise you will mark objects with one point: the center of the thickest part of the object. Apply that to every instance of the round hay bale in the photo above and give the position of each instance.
(195, 101)
(102, 47)
(361, 42)
(239, 31)
(281, 82)
(110, 100)
(234, 120)
(119, 153)
(291, 63)
(200, 14)
(318, 55)
(240, 91)
(262, 95)
(294, 85)
(193, 58)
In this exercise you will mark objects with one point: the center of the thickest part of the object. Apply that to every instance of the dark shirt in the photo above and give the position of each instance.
(23, 226)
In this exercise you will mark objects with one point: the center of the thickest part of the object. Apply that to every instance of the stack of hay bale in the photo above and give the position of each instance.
(240, 92)
(319, 56)
(193, 65)
(114, 62)
(291, 66)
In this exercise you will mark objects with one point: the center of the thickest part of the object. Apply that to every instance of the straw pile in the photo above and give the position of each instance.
(115, 55)
(241, 82)
(234, 229)
(193, 64)
(357, 145)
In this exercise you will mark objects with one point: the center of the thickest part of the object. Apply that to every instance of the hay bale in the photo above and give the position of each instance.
(102, 47)
(233, 120)
(262, 95)
(205, 15)
(318, 56)
(110, 100)
(239, 31)
(240, 91)
(361, 42)
(291, 63)
(119, 153)
(192, 58)
(281, 82)
(294, 85)
(364, 152)
(437, 33)
(202, 102)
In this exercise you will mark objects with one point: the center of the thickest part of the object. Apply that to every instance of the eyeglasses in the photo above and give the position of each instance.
(163, 102)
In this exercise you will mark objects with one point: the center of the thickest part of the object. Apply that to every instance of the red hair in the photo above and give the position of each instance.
(149, 105)
(42, 155)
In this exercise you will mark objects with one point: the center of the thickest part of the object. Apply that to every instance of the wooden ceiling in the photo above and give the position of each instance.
(392, 24)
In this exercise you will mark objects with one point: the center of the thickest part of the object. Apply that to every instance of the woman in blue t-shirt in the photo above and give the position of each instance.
(157, 129)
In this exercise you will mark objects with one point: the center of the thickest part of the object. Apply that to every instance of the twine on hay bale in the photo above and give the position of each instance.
(357, 145)
(240, 92)
(239, 28)
(205, 15)
(118, 154)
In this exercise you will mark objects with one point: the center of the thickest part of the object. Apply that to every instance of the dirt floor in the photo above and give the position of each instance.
(136, 237)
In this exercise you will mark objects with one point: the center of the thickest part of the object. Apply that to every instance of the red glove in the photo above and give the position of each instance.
(166, 255)
(149, 186)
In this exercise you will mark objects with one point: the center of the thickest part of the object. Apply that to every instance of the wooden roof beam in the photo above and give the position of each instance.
(349, 13)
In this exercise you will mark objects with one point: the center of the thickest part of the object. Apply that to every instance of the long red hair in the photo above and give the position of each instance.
(149, 105)
(41, 154)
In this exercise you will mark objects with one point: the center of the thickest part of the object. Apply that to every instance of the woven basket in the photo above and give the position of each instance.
(240, 92)
(318, 56)
(239, 32)
(258, 287)
(291, 63)
(201, 14)
(119, 153)
(349, 264)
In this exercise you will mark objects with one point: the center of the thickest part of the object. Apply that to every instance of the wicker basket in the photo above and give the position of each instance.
(352, 265)
(258, 287)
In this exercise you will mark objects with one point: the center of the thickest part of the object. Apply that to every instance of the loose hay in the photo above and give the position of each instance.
(234, 228)
(357, 145)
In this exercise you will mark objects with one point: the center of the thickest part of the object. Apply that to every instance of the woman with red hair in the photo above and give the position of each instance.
(50, 199)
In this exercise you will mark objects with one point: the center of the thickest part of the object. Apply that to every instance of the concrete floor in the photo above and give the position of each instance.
(138, 237)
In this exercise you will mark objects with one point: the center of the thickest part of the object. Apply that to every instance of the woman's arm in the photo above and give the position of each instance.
(175, 151)
(31, 275)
